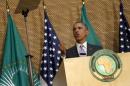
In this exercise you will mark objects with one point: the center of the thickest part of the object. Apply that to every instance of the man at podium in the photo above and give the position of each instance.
(81, 48)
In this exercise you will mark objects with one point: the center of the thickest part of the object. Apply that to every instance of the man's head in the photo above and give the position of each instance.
(80, 32)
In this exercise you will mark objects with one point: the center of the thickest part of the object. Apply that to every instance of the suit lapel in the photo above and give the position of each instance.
(75, 52)
(89, 48)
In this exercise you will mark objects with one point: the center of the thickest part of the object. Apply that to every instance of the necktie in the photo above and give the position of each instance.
(81, 50)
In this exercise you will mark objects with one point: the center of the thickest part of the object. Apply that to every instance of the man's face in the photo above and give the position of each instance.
(80, 32)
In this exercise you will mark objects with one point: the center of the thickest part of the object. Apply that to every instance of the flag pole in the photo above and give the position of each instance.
(25, 13)
(28, 56)
(7, 7)
(83, 2)
(44, 5)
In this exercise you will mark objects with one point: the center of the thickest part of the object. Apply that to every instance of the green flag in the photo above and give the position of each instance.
(92, 38)
(14, 67)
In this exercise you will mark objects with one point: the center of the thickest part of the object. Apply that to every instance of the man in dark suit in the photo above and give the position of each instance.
(81, 48)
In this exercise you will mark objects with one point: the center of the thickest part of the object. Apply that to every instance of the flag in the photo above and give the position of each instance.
(124, 32)
(92, 38)
(51, 55)
(14, 64)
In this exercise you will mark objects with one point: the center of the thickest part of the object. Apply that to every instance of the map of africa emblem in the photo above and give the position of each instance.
(105, 65)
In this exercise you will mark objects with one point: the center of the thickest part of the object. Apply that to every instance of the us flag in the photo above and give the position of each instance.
(51, 55)
(124, 35)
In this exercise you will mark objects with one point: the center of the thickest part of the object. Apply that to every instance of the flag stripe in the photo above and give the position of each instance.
(124, 32)
(51, 56)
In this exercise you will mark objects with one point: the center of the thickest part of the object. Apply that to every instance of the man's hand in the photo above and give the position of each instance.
(63, 49)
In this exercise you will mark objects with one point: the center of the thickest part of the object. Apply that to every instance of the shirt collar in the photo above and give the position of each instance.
(84, 44)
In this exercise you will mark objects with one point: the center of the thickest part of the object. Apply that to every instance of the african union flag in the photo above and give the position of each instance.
(14, 67)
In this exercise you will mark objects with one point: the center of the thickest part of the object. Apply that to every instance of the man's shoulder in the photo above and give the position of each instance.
(72, 52)
(71, 48)
(94, 46)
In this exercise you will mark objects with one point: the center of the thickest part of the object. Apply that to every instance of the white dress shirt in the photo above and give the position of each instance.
(84, 47)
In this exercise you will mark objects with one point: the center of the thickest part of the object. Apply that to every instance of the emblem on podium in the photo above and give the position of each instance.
(105, 65)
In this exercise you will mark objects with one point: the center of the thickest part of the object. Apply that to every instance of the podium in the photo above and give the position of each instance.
(75, 72)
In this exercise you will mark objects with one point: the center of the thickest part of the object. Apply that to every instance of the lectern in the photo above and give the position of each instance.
(76, 72)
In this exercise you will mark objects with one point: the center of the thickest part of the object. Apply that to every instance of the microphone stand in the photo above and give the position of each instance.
(28, 56)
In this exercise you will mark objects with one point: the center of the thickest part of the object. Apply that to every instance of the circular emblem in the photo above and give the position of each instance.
(105, 65)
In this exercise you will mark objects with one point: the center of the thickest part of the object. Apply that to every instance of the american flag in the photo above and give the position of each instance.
(124, 32)
(51, 55)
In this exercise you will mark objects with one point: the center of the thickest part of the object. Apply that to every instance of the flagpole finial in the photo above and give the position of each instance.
(83, 1)
(44, 5)
(7, 7)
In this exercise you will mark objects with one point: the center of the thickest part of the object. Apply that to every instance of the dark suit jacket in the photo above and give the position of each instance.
(72, 52)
